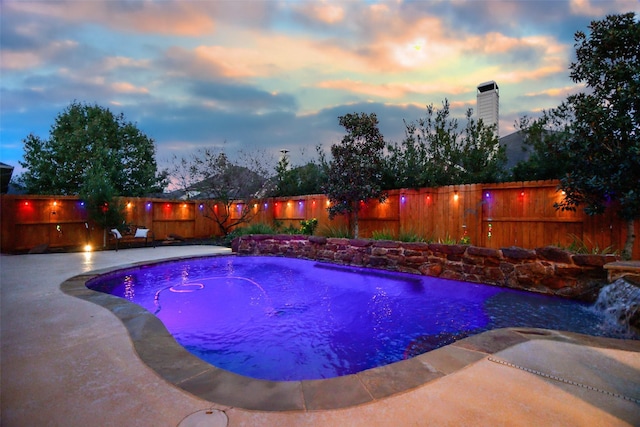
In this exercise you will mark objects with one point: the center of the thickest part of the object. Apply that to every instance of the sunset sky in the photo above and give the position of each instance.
(277, 74)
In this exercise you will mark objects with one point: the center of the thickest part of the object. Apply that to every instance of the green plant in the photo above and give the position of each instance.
(257, 228)
(337, 231)
(383, 235)
(290, 229)
(446, 240)
(308, 226)
(586, 246)
(465, 240)
(410, 236)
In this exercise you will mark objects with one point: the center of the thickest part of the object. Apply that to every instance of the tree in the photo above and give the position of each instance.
(298, 180)
(210, 175)
(435, 152)
(600, 136)
(89, 137)
(102, 206)
(355, 170)
(542, 143)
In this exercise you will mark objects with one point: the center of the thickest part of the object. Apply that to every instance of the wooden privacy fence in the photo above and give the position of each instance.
(490, 215)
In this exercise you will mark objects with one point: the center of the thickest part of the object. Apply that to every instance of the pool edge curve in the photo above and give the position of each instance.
(157, 348)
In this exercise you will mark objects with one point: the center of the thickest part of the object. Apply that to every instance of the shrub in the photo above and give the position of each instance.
(382, 235)
(309, 226)
(331, 231)
(258, 228)
(410, 236)
(580, 246)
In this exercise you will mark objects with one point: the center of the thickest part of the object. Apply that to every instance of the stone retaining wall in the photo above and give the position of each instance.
(547, 270)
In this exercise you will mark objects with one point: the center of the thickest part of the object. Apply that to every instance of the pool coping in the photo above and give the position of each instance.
(157, 348)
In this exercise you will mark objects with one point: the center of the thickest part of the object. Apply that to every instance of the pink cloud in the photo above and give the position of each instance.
(391, 90)
(125, 87)
(322, 11)
(167, 17)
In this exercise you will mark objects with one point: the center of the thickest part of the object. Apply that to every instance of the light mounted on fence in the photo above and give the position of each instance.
(455, 195)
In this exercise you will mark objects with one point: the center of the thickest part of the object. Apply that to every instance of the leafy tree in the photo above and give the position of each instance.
(542, 143)
(99, 197)
(355, 171)
(435, 152)
(600, 135)
(210, 175)
(299, 180)
(85, 137)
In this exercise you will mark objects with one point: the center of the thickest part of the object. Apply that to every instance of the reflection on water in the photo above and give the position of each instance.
(292, 319)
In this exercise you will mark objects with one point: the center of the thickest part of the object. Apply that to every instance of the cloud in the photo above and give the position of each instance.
(598, 9)
(321, 11)
(182, 18)
(224, 96)
(392, 90)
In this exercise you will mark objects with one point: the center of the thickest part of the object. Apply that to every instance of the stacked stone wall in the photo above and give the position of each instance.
(548, 270)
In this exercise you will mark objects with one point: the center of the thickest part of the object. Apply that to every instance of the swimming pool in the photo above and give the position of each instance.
(291, 319)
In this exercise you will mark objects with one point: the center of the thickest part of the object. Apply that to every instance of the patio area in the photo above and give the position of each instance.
(69, 362)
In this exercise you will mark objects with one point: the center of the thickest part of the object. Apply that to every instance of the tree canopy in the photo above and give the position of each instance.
(597, 131)
(355, 170)
(436, 152)
(298, 180)
(89, 140)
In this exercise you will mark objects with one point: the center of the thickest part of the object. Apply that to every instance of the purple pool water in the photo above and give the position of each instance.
(290, 319)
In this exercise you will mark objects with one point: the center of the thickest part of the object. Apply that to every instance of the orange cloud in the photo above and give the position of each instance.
(391, 90)
(125, 87)
(599, 9)
(323, 11)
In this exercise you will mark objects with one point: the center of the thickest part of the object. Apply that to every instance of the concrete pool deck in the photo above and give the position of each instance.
(69, 362)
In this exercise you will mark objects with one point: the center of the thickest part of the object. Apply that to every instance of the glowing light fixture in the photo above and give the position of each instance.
(87, 248)
(455, 195)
